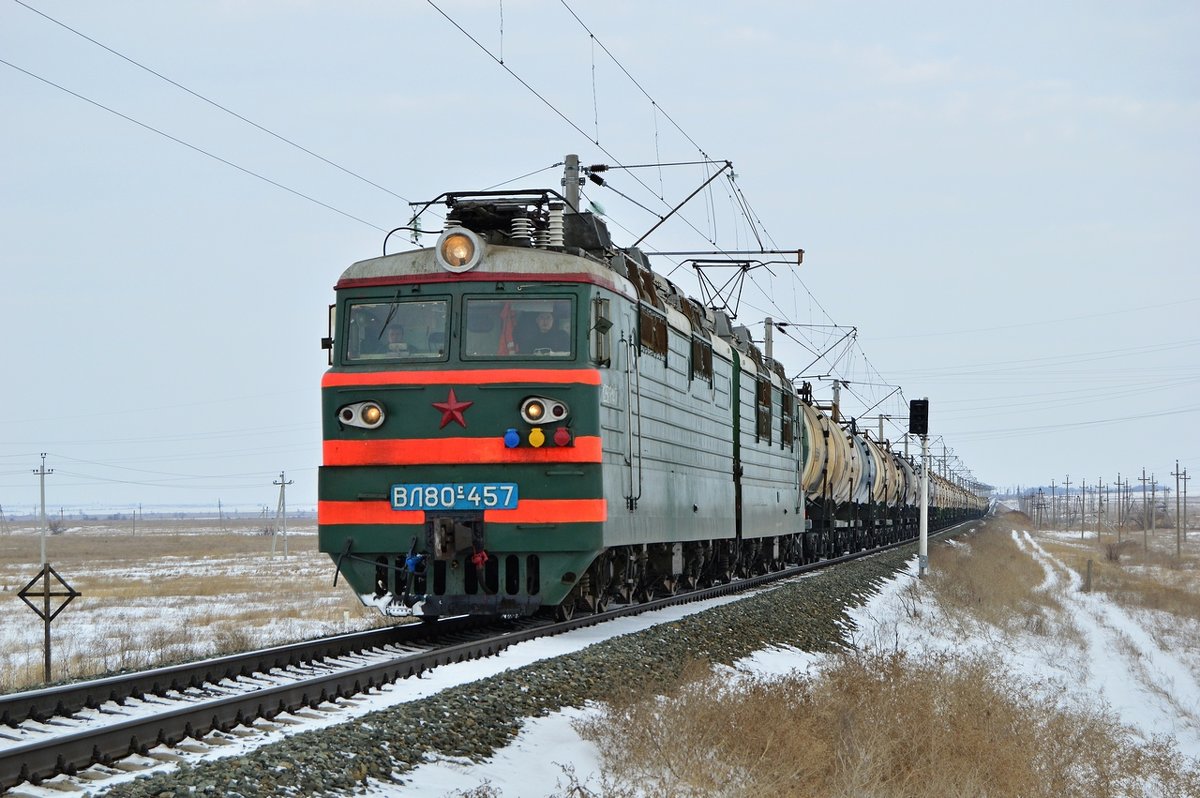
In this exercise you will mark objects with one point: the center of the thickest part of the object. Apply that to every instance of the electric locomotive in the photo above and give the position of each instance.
(525, 416)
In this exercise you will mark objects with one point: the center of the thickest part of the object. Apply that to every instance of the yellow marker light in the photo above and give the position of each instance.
(537, 437)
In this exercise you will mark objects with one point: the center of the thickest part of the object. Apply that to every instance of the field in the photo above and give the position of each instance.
(176, 589)
(997, 675)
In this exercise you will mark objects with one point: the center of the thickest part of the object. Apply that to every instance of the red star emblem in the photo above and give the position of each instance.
(452, 410)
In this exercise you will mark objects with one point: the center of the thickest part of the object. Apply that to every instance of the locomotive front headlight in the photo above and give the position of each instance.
(533, 411)
(538, 410)
(459, 250)
(372, 415)
(367, 415)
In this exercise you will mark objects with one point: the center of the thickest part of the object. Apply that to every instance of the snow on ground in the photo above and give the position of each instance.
(136, 610)
(523, 765)
(1150, 689)
(1155, 691)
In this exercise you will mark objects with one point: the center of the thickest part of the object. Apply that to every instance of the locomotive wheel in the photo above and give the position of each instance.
(566, 610)
(648, 588)
(600, 584)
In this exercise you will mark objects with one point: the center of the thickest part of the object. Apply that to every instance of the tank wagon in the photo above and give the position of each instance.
(526, 416)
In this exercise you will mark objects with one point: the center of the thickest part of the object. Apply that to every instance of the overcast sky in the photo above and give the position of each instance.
(1001, 198)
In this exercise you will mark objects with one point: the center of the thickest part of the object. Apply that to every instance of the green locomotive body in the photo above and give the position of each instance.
(525, 416)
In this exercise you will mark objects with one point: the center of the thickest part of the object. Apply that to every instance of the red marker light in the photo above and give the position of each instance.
(562, 437)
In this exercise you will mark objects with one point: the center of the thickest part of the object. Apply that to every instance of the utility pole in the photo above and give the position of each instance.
(1145, 511)
(281, 513)
(1128, 508)
(1185, 479)
(1178, 535)
(1107, 507)
(3, 521)
(42, 472)
(1067, 499)
(1119, 508)
(1153, 503)
(1082, 509)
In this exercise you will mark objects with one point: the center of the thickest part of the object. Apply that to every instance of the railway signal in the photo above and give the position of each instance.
(918, 424)
(918, 417)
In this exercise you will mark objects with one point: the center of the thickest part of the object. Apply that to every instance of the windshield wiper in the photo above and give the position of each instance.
(391, 312)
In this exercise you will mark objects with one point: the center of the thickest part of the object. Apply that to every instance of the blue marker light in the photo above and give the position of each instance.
(512, 439)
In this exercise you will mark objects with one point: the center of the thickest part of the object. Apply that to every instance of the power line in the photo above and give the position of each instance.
(984, 434)
(634, 81)
(522, 177)
(745, 205)
(212, 102)
(1051, 320)
(559, 113)
(190, 146)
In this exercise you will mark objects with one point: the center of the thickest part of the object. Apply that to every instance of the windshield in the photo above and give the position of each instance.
(523, 328)
(397, 330)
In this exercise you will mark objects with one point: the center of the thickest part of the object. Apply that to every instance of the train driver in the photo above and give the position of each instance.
(545, 337)
(396, 344)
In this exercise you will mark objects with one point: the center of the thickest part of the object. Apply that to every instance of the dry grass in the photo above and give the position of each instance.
(985, 577)
(1142, 574)
(182, 590)
(1142, 571)
(883, 723)
(878, 725)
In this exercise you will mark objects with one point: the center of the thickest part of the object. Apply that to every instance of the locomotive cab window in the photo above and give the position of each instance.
(542, 327)
(398, 329)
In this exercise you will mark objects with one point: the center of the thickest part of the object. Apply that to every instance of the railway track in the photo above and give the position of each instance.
(68, 728)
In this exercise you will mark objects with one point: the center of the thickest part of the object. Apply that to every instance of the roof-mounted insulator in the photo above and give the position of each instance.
(554, 231)
(522, 231)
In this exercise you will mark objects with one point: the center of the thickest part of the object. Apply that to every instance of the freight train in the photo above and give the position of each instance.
(527, 417)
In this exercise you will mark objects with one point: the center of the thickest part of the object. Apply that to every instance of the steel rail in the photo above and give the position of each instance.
(36, 760)
(67, 699)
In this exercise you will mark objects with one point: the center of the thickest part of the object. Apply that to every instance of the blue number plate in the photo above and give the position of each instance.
(464, 496)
